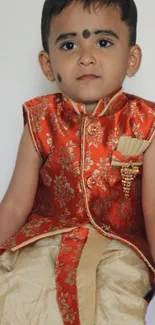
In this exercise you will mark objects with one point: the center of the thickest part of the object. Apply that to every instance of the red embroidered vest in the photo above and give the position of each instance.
(81, 179)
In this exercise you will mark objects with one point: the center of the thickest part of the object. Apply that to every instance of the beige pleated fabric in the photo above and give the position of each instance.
(122, 283)
(27, 285)
(111, 281)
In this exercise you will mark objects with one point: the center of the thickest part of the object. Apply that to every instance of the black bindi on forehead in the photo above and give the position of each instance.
(59, 77)
(86, 34)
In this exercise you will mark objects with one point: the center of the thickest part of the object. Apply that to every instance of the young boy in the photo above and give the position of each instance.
(78, 252)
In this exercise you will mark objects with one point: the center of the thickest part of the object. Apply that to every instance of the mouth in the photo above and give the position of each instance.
(88, 77)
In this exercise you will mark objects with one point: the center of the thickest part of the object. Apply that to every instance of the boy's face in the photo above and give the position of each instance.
(89, 53)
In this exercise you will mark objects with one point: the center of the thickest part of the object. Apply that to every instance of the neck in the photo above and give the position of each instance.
(94, 107)
(90, 107)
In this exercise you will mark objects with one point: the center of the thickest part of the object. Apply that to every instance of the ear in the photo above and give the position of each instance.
(46, 66)
(134, 60)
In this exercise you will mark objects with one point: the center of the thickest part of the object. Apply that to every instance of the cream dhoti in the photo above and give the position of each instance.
(76, 278)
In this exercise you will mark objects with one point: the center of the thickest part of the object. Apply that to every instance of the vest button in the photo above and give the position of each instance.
(92, 129)
(91, 182)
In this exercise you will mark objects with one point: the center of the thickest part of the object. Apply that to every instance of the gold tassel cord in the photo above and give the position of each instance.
(128, 175)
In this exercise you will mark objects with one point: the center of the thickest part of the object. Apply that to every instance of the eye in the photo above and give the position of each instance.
(68, 46)
(104, 43)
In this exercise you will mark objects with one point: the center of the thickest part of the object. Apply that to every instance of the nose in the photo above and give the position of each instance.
(86, 58)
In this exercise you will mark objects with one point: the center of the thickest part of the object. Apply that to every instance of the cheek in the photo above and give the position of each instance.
(116, 64)
(65, 60)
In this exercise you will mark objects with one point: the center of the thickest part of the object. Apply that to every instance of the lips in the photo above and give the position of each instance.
(88, 77)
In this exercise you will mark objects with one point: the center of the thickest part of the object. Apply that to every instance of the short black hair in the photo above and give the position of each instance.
(53, 8)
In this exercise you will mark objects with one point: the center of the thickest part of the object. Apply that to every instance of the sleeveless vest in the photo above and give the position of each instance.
(92, 168)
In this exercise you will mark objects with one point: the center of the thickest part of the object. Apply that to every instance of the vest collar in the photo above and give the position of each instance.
(107, 105)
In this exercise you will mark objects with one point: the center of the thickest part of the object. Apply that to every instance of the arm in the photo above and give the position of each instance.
(148, 194)
(18, 200)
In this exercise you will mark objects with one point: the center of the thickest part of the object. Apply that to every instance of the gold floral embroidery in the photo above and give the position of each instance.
(103, 165)
(106, 173)
(65, 250)
(46, 178)
(88, 161)
(39, 113)
(80, 205)
(49, 140)
(59, 106)
(152, 111)
(57, 124)
(135, 111)
(152, 131)
(32, 229)
(124, 212)
(137, 130)
(67, 158)
(100, 207)
(10, 243)
(68, 314)
(64, 216)
(113, 138)
(48, 162)
(96, 138)
(63, 190)
(54, 121)
(71, 271)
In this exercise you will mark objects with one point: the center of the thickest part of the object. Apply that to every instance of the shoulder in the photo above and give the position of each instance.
(37, 111)
(37, 115)
(141, 103)
(42, 104)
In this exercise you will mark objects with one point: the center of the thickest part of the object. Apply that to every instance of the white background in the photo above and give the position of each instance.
(21, 77)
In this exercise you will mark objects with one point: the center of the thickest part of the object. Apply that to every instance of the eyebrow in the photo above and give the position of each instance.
(107, 32)
(62, 37)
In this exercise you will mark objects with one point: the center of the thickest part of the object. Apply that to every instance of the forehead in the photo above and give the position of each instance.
(75, 18)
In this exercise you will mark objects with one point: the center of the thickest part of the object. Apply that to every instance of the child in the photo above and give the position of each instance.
(78, 253)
